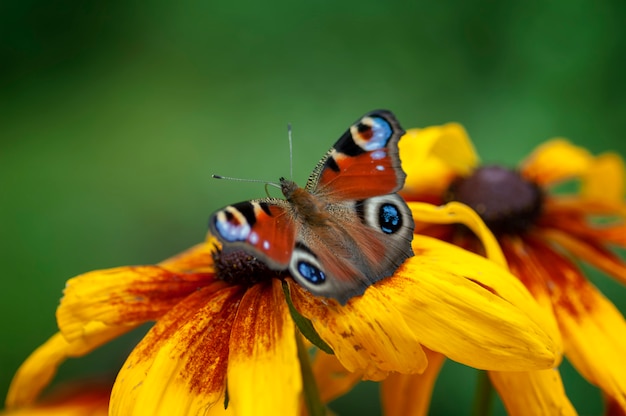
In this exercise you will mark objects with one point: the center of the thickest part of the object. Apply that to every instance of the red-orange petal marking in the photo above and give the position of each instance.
(263, 369)
(180, 366)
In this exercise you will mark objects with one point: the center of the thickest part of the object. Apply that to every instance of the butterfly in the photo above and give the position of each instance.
(346, 229)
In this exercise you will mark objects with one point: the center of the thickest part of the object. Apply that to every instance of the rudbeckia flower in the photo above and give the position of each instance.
(225, 337)
(542, 234)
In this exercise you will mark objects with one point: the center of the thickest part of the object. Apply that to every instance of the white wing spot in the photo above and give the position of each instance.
(378, 154)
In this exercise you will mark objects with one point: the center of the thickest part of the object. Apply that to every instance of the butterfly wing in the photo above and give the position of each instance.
(366, 242)
(262, 227)
(372, 228)
(363, 163)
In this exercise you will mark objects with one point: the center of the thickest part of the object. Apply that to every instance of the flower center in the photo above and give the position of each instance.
(240, 268)
(507, 203)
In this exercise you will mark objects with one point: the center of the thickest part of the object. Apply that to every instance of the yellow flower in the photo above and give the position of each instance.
(224, 335)
(541, 233)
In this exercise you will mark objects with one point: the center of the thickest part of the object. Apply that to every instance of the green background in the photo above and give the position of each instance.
(114, 115)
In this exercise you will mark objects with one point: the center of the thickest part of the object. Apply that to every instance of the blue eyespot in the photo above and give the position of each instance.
(381, 133)
(389, 218)
(311, 272)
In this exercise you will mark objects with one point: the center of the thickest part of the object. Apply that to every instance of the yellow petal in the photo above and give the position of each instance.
(368, 334)
(604, 181)
(332, 378)
(458, 213)
(555, 161)
(471, 310)
(179, 368)
(263, 367)
(41, 366)
(432, 156)
(532, 393)
(124, 296)
(198, 258)
(410, 394)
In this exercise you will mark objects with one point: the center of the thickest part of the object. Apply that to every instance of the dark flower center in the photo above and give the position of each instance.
(507, 203)
(240, 268)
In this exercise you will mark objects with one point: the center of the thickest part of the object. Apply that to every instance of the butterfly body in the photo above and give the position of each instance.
(346, 229)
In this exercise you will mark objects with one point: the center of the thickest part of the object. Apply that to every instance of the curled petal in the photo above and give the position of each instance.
(532, 392)
(179, 367)
(123, 296)
(555, 161)
(410, 394)
(433, 156)
(41, 366)
(458, 213)
(368, 334)
(604, 181)
(263, 368)
(471, 310)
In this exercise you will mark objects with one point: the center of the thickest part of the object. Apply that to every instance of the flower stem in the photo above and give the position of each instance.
(312, 400)
(483, 397)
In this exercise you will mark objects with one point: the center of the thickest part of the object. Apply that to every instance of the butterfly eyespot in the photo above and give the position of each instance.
(387, 213)
(305, 267)
(371, 133)
(311, 272)
(230, 227)
(389, 218)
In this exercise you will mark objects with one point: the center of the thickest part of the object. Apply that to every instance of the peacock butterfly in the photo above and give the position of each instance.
(346, 229)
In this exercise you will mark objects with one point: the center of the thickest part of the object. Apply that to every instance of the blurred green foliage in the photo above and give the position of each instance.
(113, 116)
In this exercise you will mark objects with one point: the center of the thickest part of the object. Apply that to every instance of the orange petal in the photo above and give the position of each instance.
(532, 393)
(581, 224)
(263, 368)
(179, 367)
(589, 251)
(593, 333)
(410, 394)
(368, 334)
(332, 378)
(124, 296)
(555, 161)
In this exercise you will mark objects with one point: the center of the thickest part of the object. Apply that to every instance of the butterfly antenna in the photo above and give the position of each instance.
(230, 178)
(290, 151)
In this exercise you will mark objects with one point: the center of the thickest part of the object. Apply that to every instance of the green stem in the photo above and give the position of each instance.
(484, 395)
(312, 400)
